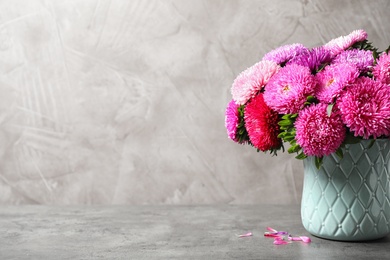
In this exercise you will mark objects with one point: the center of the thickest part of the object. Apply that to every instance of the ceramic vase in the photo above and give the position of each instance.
(348, 198)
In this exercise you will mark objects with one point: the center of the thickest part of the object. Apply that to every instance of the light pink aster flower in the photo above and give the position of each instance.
(362, 59)
(333, 79)
(261, 123)
(317, 133)
(249, 82)
(336, 46)
(365, 108)
(381, 70)
(285, 53)
(232, 120)
(287, 90)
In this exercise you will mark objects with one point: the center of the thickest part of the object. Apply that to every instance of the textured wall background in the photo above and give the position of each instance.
(120, 101)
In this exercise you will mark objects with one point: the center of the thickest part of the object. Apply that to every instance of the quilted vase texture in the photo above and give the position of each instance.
(348, 198)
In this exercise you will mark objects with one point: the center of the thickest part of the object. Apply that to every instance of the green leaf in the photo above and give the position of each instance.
(339, 153)
(364, 45)
(371, 143)
(375, 55)
(242, 134)
(294, 116)
(369, 74)
(288, 138)
(329, 109)
(282, 147)
(285, 122)
(311, 99)
(322, 66)
(318, 162)
(387, 50)
(294, 148)
(301, 156)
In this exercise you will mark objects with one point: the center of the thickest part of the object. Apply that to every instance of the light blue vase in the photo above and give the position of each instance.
(348, 199)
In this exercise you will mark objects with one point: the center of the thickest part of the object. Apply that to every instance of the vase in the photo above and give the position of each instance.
(348, 198)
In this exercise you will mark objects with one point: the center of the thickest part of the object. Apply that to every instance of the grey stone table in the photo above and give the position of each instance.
(165, 232)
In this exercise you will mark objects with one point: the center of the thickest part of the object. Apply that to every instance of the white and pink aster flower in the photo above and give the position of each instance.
(252, 80)
(336, 46)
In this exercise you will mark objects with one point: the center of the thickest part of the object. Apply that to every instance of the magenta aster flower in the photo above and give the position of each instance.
(313, 58)
(333, 79)
(336, 46)
(317, 133)
(365, 108)
(249, 82)
(285, 53)
(381, 70)
(362, 59)
(287, 90)
(232, 120)
(261, 123)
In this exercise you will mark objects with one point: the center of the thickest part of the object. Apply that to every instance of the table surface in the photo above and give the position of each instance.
(166, 232)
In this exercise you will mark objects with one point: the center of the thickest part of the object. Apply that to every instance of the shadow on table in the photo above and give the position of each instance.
(383, 240)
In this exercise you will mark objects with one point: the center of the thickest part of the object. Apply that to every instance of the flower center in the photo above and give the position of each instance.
(330, 82)
(285, 88)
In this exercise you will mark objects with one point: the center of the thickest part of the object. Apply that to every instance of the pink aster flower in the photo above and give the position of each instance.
(317, 133)
(232, 120)
(261, 123)
(362, 59)
(313, 58)
(365, 108)
(381, 70)
(336, 46)
(287, 90)
(333, 79)
(285, 53)
(249, 82)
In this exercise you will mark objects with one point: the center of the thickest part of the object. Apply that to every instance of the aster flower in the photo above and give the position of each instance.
(287, 91)
(261, 123)
(317, 133)
(362, 59)
(336, 46)
(333, 79)
(381, 70)
(365, 108)
(232, 120)
(285, 53)
(313, 58)
(249, 82)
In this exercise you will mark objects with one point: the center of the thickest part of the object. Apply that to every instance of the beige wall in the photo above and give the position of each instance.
(122, 102)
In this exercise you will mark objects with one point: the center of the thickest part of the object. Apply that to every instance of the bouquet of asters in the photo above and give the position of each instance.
(315, 99)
